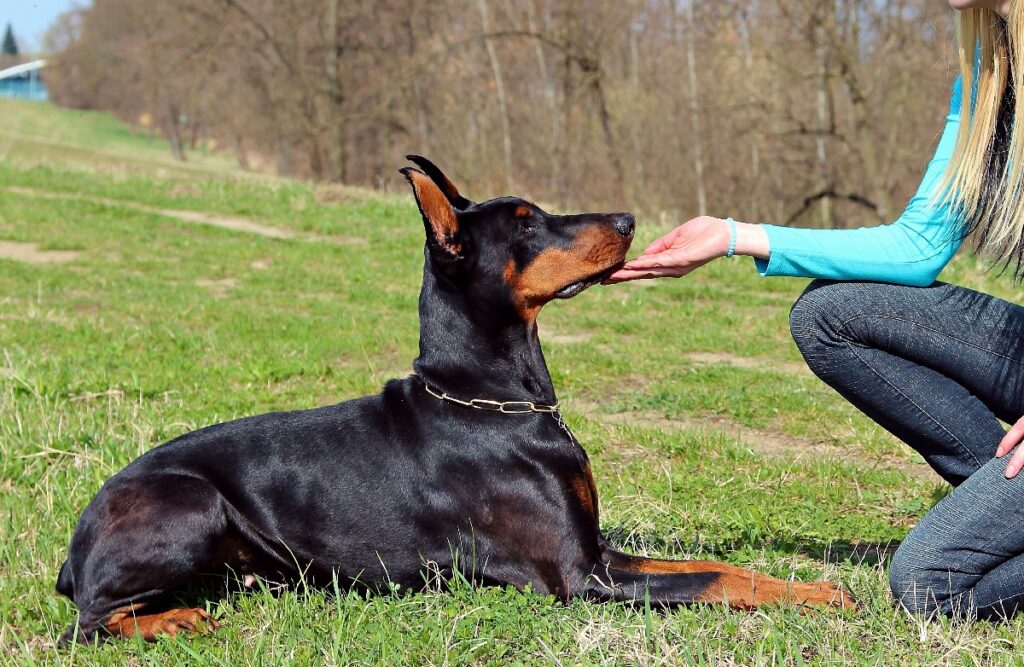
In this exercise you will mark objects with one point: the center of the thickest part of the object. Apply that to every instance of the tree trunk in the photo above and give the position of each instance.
(825, 208)
(499, 82)
(606, 127)
(698, 147)
(241, 156)
(861, 136)
(755, 142)
(335, 135)
(173, 133)
(549, 91)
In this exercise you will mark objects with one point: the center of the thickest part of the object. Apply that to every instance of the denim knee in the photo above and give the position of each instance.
(925, 581)
(816, 319)
(915, 588)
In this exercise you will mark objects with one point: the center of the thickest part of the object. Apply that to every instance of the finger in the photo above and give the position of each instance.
(1011, 439)
(624, 275)
(621, 276)
(1015, 464)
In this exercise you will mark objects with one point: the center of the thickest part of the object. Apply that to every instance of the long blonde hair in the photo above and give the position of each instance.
(984, 182)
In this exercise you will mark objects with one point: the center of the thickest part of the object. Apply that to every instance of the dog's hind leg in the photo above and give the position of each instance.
(137, 541)
(668, 583)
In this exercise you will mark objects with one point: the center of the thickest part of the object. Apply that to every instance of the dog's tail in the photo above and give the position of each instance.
(66, 581)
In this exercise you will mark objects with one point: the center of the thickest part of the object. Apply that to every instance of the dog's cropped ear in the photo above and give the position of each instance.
(439, 217)
(451, 193)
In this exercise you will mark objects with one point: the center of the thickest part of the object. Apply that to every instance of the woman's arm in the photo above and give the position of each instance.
(911, 251)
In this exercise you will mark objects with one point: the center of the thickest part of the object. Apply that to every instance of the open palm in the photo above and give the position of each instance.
(685, 248)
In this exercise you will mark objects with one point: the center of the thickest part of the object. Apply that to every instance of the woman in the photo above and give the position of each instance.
(935, 364)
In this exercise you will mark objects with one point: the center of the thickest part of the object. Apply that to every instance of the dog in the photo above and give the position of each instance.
(465, 466)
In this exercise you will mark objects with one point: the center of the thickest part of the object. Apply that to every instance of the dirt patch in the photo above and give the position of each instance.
(549, 334)
(333, 194)
(110, 394)
(218, 288)
(567, 339)
(341, 239)
(196, 217)
(186, 190)
(236, 224)
(781, 298)
(30, 253)
(758, 363)
(764, 442)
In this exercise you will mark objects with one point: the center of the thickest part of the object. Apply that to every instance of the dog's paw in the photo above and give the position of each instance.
(170, 622)
(193, 620)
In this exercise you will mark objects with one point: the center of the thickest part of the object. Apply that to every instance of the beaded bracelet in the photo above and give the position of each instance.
(732, 237)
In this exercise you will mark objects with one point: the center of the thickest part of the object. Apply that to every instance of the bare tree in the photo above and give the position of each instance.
(793, 111)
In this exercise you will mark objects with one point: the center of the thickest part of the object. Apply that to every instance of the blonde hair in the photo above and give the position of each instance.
(984, 182)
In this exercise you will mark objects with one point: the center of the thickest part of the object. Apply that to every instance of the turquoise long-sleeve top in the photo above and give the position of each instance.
(910, 251)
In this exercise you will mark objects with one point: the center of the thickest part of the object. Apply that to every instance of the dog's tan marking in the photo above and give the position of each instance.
(740, 588)
(127, 623)
(586, 493)
(436, 209)
(595, 249)
(523, 212)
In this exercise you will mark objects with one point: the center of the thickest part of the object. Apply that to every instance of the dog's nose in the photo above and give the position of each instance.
(625, 224)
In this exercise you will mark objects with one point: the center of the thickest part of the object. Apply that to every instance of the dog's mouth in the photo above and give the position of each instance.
(574, 288)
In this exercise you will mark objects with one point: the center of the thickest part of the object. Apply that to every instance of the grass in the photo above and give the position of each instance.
(159, 326)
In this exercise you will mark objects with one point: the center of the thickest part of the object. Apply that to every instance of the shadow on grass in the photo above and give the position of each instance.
(852, 551)
(855, 552)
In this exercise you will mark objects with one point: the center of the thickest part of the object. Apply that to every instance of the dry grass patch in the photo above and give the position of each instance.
(31, 254)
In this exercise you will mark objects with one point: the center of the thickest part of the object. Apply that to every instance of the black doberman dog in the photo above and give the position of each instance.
(464, 465)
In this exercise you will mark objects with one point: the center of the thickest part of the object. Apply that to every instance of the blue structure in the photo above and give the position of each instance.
(23, 82)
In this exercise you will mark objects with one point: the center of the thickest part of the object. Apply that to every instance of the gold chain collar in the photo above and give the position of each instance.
(506, 407)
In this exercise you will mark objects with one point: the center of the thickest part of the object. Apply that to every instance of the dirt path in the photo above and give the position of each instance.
(759, 363)
(764, 442)
(156, 160)
(553, 334)
(30, 252)
(194, 217)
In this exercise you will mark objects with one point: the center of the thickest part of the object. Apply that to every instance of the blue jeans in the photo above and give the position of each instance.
(938, 367)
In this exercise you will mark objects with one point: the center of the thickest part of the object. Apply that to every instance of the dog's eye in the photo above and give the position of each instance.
(526, 227)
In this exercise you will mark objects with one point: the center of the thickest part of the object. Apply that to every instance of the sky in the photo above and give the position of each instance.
(31, 18)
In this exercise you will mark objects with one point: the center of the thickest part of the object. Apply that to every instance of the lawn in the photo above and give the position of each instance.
(134, 306)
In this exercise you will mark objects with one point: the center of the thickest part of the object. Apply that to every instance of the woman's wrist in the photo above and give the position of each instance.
(751, 240)
(731, 248)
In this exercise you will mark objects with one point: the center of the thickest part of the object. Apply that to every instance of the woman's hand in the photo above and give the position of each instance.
(1012, 439)
(685, 248)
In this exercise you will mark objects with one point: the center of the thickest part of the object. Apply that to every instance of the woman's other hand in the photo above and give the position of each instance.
(1012, 439)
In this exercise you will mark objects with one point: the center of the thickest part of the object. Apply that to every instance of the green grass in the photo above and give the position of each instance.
(159, 326)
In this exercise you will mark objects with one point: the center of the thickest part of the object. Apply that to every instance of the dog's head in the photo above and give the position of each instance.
(511, 246)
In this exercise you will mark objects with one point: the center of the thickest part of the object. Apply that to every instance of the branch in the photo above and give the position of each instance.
(830, 193)
(267, 35)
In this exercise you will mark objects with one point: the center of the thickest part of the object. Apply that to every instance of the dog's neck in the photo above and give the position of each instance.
(472, 354)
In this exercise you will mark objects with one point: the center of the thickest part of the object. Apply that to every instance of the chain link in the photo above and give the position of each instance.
(505, 407)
